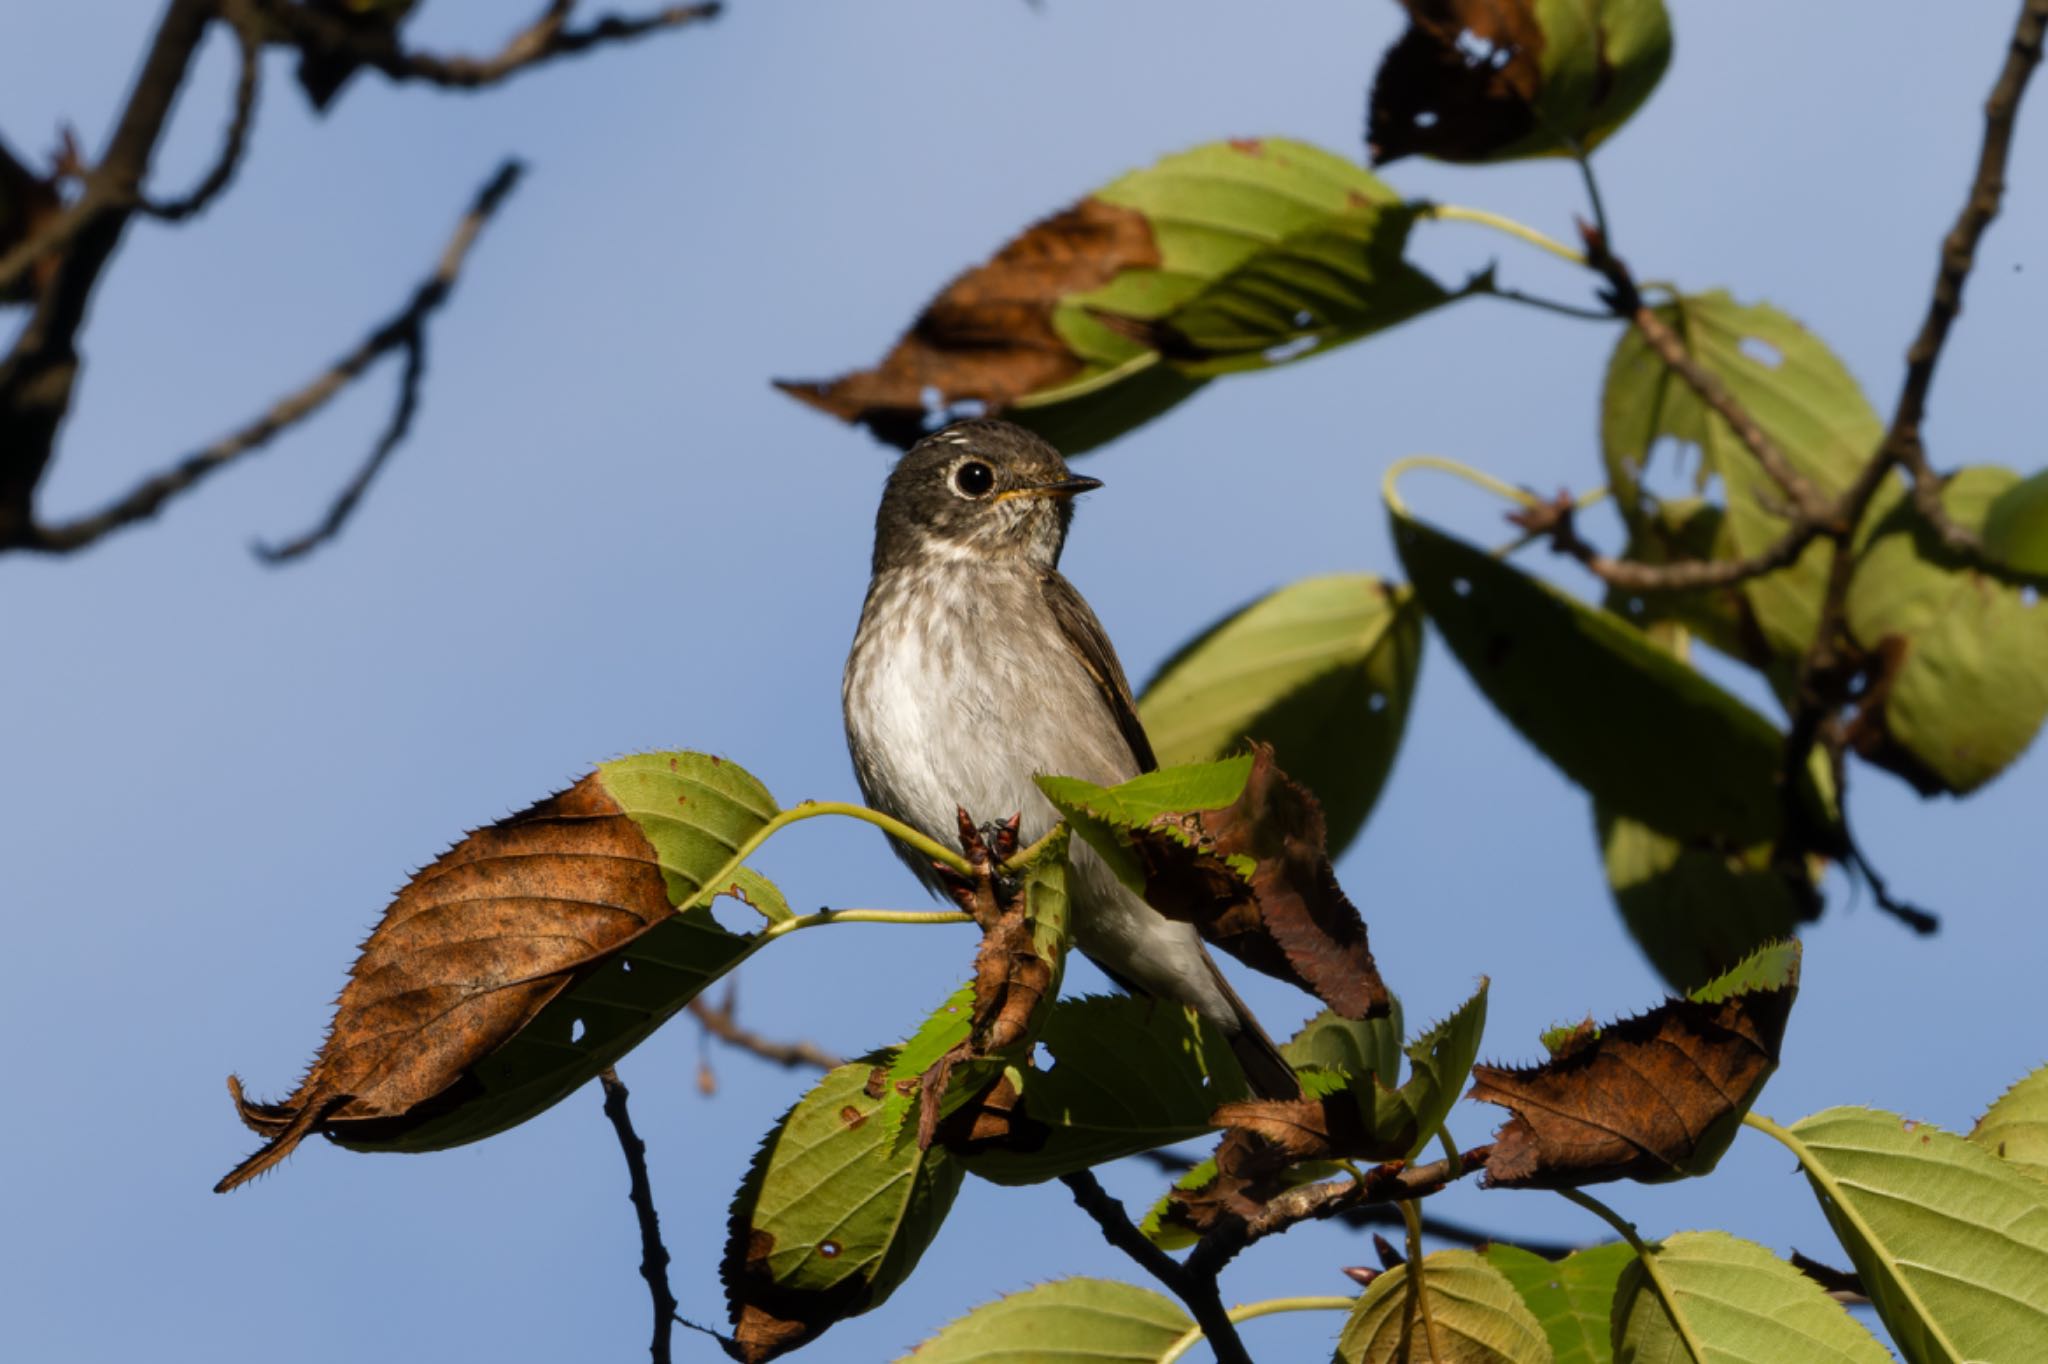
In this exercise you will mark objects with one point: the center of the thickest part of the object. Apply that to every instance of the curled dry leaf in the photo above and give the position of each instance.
(1252, 874)
(436, 1028)
(1486, 80)
(1651, 1098)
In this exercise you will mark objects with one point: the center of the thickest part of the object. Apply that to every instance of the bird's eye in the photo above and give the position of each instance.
(974, 478)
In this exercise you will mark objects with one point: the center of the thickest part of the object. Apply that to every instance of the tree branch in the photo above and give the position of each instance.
(1554, 520)
(406, 329)
(1196, 1289)
(722, 1022)
(653, 1253)
(546, 39)
(236, 141)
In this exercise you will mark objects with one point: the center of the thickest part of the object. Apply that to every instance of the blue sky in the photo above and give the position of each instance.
(609, 534)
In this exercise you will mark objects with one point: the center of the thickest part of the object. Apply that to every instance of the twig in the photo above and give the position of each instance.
(653, 1254)
(1840, 1284)
(1311, 1202)
(720, 1021)
(247, 80)
(1902, 442)
(1554, 520)
(1196, 1288)
(544, 40)
(147, 497)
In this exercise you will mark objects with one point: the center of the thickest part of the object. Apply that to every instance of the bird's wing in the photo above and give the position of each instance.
(1088, 642)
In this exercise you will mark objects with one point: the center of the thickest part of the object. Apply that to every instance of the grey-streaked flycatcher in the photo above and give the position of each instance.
(977, 666)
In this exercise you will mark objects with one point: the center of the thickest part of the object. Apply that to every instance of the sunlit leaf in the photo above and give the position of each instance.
(2016, 1128)
(1573, 1298)
(1067, 1321)
(1731, 1302)
(1321, 669)
(832, 1216)
(1961, 658)
(1651, 1098)
(2016, 526)
(1488, 80)
(1469, 1314)
(527, 958)
(1950, 1242)
(1643, 733)
(1231, 255)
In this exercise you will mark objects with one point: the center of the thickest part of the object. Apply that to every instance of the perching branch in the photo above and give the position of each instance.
(546, 39)
(653, 1253)
(1554, 520)
(1195, 1288)
(722, 1022)
(404, 330)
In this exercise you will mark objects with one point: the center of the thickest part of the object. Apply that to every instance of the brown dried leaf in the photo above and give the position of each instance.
(988, 336)
(467, 954)
(1652, 1098)
(1435, 96)
(27, 202)
(1287, 916)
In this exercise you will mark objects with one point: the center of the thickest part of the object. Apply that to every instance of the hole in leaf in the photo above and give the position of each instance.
(829, 1249)
(1425, 118)
(2029, 597)
(735, 915)
(932, 399)
(626, 968)
(1287, 350)
(1377, 702)
(1762, 351)
(1635, 606)
(1461, 586)
(576, 1031)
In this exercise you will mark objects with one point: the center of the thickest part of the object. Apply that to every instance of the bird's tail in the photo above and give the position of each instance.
(1265, 1069)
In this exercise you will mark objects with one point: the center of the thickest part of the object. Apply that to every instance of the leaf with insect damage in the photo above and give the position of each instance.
(1572, 1298)
(1230, 255)
(527, 958)
(2015, 1129)
(1067, 1321)
(1250, 873)
(832, 1216)
(1345, 1114)
(1651, 1098)
(1322, 669)
(1731, 1301)
(1464, 1311)
(1645, 735)
(1489, 80)
(1957, 660)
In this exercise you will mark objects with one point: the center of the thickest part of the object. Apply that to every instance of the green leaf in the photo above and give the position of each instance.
(1101, 815)
(1798, 392)
(1951, 1242)
(1573, 1298)
(1477, 1315)
(1230, 255)
(1354, 1047)
(1128, 1075)
(1067, 1321)
(1731, 1302)
(1491, 80)
(696, 811)
(2016, 526)
(1962, 686)
(1322, 670)
(832, 1216)
(1692, 909)
(1644, 734)
(1439, 1062)
(2016, 1128)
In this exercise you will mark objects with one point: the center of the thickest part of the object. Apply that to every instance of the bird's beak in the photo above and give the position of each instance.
(1066, 487)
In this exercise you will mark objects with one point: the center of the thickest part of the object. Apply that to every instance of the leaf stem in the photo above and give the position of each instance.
(1418, 1298)
(864, 916)
(1501, 223)
(1024, 858)
(1251, 1311)
(1585, 160)
(1447, 466)
(895, 828)
(1648, 1259)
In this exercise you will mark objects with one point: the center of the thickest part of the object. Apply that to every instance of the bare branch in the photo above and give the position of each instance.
(1902, 442)
(544, 40)
(722, 1022)
(1195, 1289)
(147, 497)
(247, 80)
(1555, 521)
(653, 1253)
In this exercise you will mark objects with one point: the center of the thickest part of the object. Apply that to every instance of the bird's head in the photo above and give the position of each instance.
(980, 490)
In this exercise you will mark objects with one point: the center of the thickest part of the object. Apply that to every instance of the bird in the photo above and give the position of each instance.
(977, 666)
